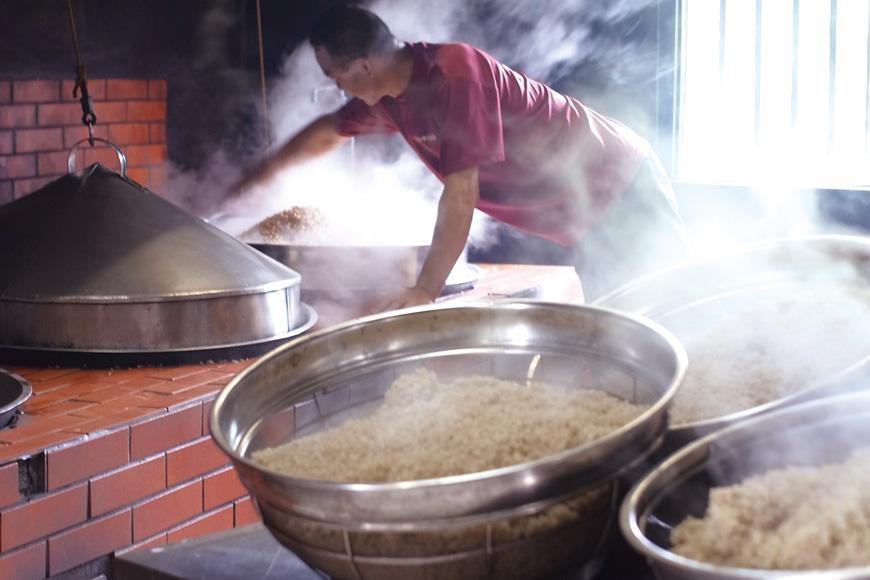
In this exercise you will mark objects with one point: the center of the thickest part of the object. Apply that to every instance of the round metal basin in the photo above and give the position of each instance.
(452, 526)
(812, 433)
(692, 298)
(14, 392)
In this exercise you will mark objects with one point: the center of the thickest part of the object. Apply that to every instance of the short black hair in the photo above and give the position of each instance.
(348, 32)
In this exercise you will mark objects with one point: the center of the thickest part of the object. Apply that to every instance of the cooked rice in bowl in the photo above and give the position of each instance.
(426, 429)
(792, 518)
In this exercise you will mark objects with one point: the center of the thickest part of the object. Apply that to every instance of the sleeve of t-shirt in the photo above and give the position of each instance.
(472, 126)
(357, 118)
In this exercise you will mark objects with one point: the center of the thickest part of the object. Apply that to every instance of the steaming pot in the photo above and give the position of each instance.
(693, 297)
(463, 525)
(812, 433)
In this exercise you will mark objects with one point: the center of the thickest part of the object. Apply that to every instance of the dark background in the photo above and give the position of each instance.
(208, 53)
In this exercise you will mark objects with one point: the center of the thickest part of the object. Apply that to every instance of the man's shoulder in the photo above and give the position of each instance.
(459, 60)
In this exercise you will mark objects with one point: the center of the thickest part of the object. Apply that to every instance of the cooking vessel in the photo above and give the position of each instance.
(691, 298)
(813, 433)
(96, 268)
(454, 526)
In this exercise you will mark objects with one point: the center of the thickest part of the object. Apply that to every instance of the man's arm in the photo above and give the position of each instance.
(455, 210)
(319, 137)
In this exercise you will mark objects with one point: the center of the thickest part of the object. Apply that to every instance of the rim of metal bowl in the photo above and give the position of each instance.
(665, 399)
(687, 461)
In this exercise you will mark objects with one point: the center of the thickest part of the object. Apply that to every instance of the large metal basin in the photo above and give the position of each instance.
(451, 526)
(815, 432)
(691, 298)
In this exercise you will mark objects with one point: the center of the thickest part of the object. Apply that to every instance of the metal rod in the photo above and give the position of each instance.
(867, 92)
(832, 71)
(795, 26)
(758, 45)
(722, 22)
(266, 130)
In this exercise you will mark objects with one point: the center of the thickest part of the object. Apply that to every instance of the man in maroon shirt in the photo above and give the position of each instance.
(501, 142)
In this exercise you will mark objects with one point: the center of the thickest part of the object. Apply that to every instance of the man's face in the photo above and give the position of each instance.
(354, 77)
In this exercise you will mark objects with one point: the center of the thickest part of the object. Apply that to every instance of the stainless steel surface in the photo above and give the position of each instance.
(71, 156)
(348, 268)
(344, 370)
(812, 433)
(14, 392)
(689, 299)
(100, 263)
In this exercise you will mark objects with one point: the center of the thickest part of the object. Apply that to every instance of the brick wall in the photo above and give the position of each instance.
(111, 461)
(40, 120)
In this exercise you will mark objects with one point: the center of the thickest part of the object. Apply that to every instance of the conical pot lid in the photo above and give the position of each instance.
(95, 236)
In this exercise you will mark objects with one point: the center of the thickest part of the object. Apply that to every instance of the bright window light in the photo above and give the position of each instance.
(775, 90)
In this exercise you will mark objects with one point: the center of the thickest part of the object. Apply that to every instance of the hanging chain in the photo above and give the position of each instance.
(266, 131)
(89, 118)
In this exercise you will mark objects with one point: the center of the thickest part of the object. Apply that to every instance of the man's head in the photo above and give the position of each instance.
(355, 48)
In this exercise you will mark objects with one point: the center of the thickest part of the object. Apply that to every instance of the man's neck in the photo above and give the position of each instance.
(400, 68)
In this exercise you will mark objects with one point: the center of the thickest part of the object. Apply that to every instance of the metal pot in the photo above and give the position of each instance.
(691, 298)
(97, 268)
(813, 433)
(450, 526)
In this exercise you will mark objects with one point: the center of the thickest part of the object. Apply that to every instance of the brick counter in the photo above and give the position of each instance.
(104, 461)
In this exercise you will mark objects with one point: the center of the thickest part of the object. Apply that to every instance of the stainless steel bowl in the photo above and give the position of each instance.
(450, 526)
(812, 433)
(690, 298)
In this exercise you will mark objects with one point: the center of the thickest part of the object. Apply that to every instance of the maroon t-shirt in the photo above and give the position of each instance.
(547, 164)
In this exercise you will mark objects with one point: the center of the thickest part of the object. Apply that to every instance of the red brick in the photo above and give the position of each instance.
(193, 459)
(5, 92)
(6, 143)
(110, 112)
(63, 114)
(156, 89)
(158, 177)
(16, 166)
(72, 135)
(164, 511)
(30, 140)
(139, 175)
(96, 90)
(146, 110)
(176, 373)
(52, 163)
(77, 462)
(129, 133)
(17, 116)
(244, 512)
(121, 89)
(9, 484)
(35, 91)
(30, 426)
(222, 487)
(186, 383)
(43, 517)
(169, 430)
(38, 375)
(128, 485)
(24, 564)
(6, 194)
(65, 408)
(152, 542)
(103, 155)
(158, 133)
(215, 521)
(30, 447)
(89, 541)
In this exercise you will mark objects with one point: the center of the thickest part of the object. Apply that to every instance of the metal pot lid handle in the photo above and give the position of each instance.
(71, 158)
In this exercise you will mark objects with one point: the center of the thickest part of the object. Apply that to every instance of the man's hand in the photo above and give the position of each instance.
(406, 298)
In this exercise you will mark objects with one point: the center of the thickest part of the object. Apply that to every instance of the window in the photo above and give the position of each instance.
(773, 91)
